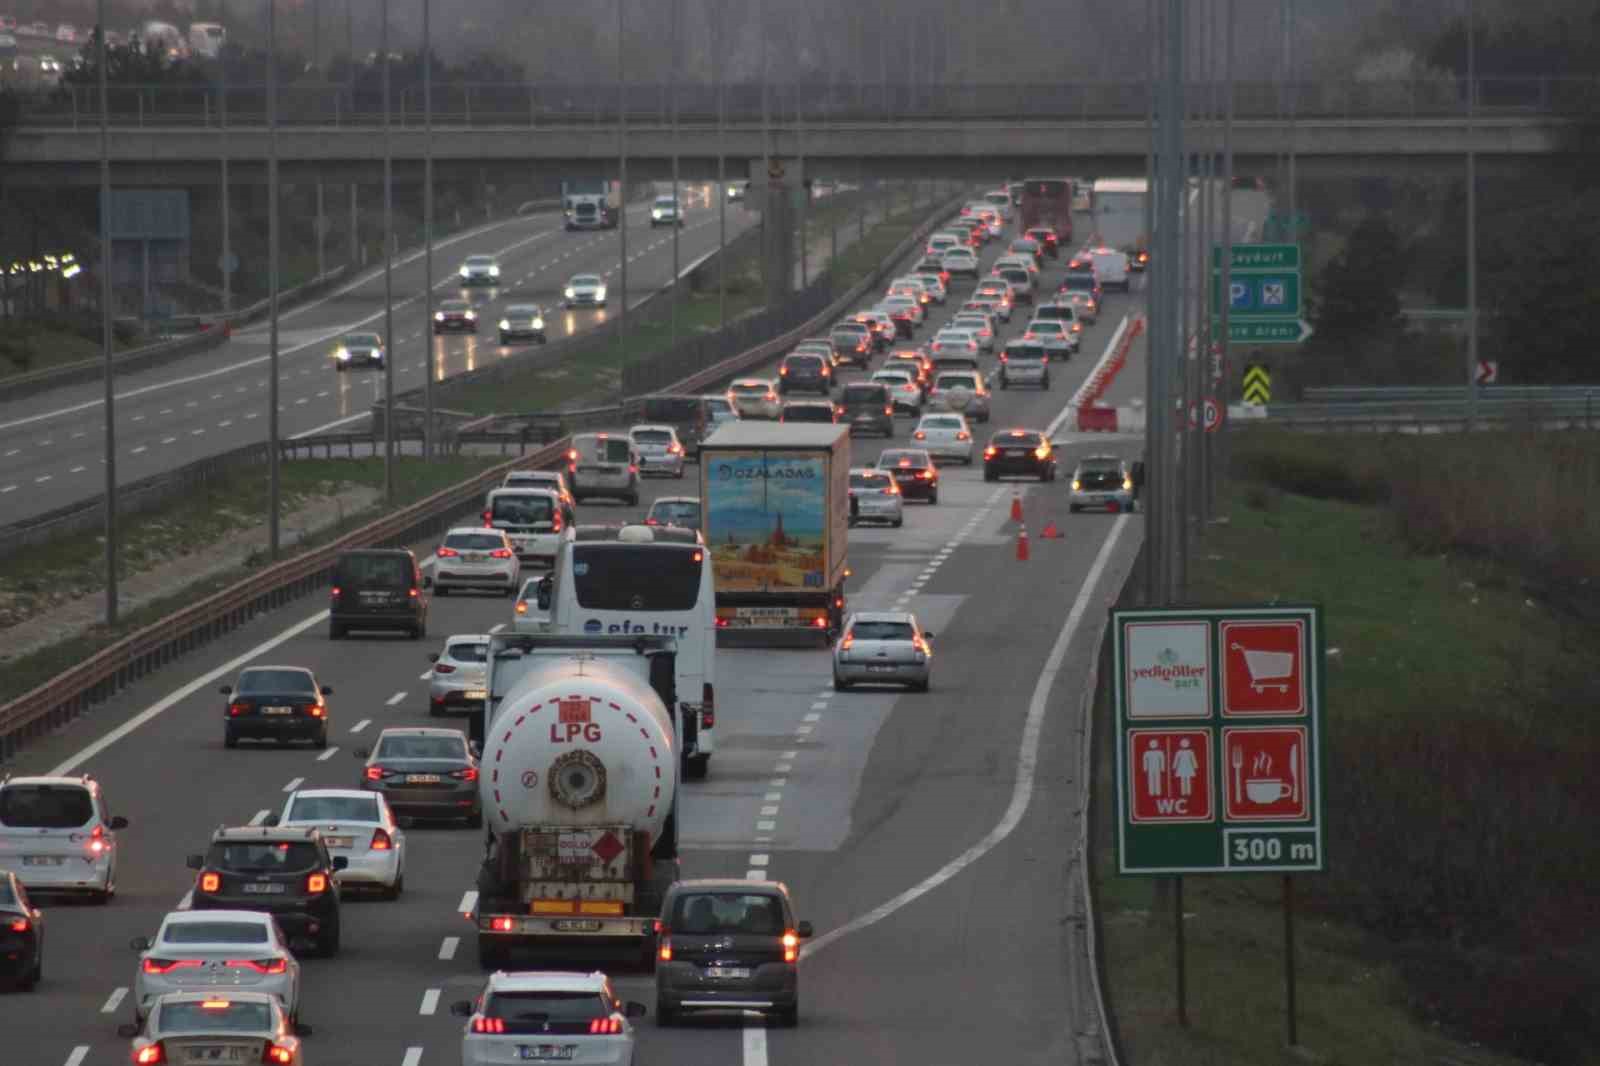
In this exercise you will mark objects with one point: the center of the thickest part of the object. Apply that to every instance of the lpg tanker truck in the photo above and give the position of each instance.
(578, 775)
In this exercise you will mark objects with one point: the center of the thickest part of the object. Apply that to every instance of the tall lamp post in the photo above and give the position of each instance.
(388, 270)
(677, 207)
(273, 486)
(622, 171)
(106, 345)
(427, 228)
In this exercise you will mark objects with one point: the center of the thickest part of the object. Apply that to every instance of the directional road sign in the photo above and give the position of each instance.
(1257, 386)
(1268, 330)
(1219, 719)
(1488, 372)
(1253, 257)
(1252, 296)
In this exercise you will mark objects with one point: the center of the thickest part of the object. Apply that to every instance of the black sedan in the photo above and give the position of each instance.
(21, 935)
(455, 316)
(276, 703)
(1019, 452)
(913, 470)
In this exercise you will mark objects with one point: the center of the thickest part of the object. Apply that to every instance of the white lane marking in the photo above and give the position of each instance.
(8, 488)
(197, 433)
(777, 782)
(755, 875)
(783, 767)
(497, 627)
(430, 1002)
(766, 827)
(769, 812)
(169, 440)
(820, 705)
(185, 901)
(43, 479)
(164, 410)
(812, 717)
(13, 451)
(802, 730)
(113, 1001)
(788, 755)
(412, 1057)
(772, 797)
(396, 698)
(260, 816)
(447, 950)
(77, 470)
(192, 403)
(469, 901)
(359, 726)
(1027, 761)
(755, 1041)
(294, 784)
(225, 423)
(759, 859)
(425, 676)
(330, 753)
(79, 1053)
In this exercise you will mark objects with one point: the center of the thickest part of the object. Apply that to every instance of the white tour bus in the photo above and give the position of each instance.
(621, 580)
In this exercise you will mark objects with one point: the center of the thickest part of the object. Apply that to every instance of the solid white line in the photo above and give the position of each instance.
(294, 784)
(179, 695)
(1027, 761)
(755, 1042)
(81, 1052)
(469, 901)
(396, 698)
(330, 753)
(447, 950)
(430, 1001)
(359, 726)
(413, 1057)
(260, 816)
(113, 1001)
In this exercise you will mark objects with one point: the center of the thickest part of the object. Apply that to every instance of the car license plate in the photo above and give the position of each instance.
(880, 668)
(477, 694)
(374, 597)
(1015, 453)
(422, 779)
(264, 889)
(727, 972)
(575, 925)
(214, 1054)
(547, 1052)
(339, 842)
(277, 710)
(41, 860)
(475, 557)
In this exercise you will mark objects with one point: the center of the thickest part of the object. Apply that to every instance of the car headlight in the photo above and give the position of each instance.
(464, 272)
(571, 293)
(494, 272)
(1077, 486)
(538, 323)
(600, 293)
(438, 316)
(505, 323)
(472, 315)
(655, 213)
(341, 353)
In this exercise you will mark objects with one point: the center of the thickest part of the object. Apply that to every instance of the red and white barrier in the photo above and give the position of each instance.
(1092, 418)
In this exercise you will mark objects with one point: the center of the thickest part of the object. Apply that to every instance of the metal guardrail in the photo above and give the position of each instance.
(1486, 394)
(98, 677)
(550, 104)
(1577, 412)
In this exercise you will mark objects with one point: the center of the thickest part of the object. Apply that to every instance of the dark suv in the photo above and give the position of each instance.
(867, 405)
(285, 872)
(378, 588)
(686, 414)
(854, 342)
(802, 370)
(728, 945)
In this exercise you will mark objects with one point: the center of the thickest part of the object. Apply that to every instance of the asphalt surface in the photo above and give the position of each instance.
(927, 836)
(52, 447)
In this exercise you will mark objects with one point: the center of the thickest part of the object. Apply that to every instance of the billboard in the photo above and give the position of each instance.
(766, 520)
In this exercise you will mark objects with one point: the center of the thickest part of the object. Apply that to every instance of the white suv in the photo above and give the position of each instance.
(57, 834)
(576, 1016)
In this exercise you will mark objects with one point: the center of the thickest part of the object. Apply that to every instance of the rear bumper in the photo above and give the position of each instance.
(480, 579)
(74, 875)
(683, 986)
(880, 673)
(296, 920)
(1122, 499)
(367, 867)
(375, 620)
(1029, 467)
(289, 727)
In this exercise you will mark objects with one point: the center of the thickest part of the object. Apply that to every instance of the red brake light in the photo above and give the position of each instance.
(317, 883)
(443, 668)
(500, 553)
(820, 622)
(486, 517)
(376, 773)
(149, 1055)
(380, 840)
(1042, 451)
(448, 553)
(849, 639)
(708, 705)
(19, 925)
(501, 925)
(237, 707)
(791, 947)
(317, 710)
(963, 435)
(677, 449)
(990, 452)
(892, 490)
(783, 371)
(488, 1025)
(919, 435)
(522, 606)
(904, 462)
(572, 454)
(467, 773)
(605, 1026)
(335, 592)
(277, 1053)
(168, 965)
(259, 965)
(925, 475)
(210, 882)
(555, 523)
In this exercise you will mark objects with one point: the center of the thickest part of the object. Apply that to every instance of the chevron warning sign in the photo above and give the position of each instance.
(1257, 386)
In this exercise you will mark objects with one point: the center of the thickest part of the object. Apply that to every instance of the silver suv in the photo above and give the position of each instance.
(57, 834)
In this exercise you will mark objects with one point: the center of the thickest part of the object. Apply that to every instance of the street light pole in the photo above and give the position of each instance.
(427, 228)
(388, 270)
(222, 115)
(1219, 450)
(106, 345)
(677, 207)
(722, 171)
(1472, 217)
(273, 486)
(622, 172)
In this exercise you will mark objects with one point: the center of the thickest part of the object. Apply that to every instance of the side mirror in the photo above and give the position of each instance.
(427, 581)
(327, 690)
(461, 1008)
(341, 863)
(635, 1010)
(474, 749)
(926, 635)
(804, 929)
(226, 690)
(302, 1029)
(195, 862)
(128, 1030)
(118, 822)
(140, 943)
(362, 753)
(270, 820)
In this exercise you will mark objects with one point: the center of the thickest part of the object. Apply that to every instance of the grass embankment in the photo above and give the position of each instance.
(196, 525)
(547, 387)
(1458, 578)
(27, 345)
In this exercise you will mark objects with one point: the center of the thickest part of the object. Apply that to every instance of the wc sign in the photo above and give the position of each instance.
(1219, 733)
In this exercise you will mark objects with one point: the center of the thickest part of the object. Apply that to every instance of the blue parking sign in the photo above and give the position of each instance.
(1241, 295)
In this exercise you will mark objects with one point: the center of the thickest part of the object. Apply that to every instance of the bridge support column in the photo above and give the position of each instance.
(778, 251)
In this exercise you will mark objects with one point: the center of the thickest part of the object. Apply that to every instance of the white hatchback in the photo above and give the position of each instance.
(360, 827)
(472, 557)
(875, 497)
(548, 1016)
(216, 951)
(660, 451)
(945, 436)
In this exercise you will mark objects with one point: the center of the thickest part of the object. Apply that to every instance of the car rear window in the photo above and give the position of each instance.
(882, 631)
(895, 457)
(264, 856)
(1015, 439)
(956, 381)
(468, 652)
(677, 513)
(362, 570)
(334, 809)
(807, 412)
(212, 1016)
(651, 436)
(604, 450)
(421, 748)
(1024, 351)
(45, 806)
(214, 933)
(529, 479)
(475, 542)
(803, 362)
(942, 422)
(1047, 325)
(277, 681)
(546, 1011)
(521, 510)
(869, 481)
(750, 388)
(865, 394)
(717, 913)
(1016, 274)
(1054, 312)
(7, 897)
(626, 577)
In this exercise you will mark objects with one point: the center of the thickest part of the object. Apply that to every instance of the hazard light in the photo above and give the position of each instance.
(791, 946)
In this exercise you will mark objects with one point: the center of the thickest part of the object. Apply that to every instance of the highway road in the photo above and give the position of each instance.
(927, 836)
(52, 446)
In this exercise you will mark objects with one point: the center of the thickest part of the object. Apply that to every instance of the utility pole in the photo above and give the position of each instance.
(622, 172)
(388, 269)
(1472, 217)
(677, 206)
(1219, 451)
(222, 117)
(107, 347)
(722, 169)
(427, 229)
(273, 487)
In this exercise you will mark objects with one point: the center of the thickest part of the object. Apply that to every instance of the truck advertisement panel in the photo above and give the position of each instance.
(767, 520)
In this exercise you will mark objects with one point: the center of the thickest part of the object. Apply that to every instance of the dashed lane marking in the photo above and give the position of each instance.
(294, 784)
(330, 753)
(430, 1002)
(113, 1001)
(396, 698)
(260, 816)
(447, 949)
(359, 726)
(78, 1054)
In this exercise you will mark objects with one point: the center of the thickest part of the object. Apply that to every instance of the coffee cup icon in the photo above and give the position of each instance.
(1267, 789)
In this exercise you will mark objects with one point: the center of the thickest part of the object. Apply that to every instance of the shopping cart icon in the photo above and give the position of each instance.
(1268, 669)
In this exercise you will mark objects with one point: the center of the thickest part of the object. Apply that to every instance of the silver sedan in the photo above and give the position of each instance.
(883, 648)
(215, 951)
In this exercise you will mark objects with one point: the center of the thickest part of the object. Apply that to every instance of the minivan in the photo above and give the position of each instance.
(686, 414)
(867, 405)
(378, 588)
(603, 464)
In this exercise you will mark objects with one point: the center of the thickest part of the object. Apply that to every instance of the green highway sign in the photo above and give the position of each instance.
(1219, 740)
(1268, 330)
(1251, 257)
(1258, 295)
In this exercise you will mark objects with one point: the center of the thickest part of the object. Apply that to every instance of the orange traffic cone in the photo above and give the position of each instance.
(1050, 532)
(1022, 545)
(1016, 507)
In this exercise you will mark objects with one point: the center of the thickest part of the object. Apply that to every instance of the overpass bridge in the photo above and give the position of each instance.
(174, 135)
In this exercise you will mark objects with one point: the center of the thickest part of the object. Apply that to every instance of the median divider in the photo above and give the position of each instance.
(1093, 418)
(99, 677)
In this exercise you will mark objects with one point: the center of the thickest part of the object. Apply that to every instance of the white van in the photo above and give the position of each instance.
(603, 464)
(1111, 267)
(534, 519)
(207, 38)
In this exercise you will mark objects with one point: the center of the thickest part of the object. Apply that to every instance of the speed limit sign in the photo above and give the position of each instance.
(1213, 415)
